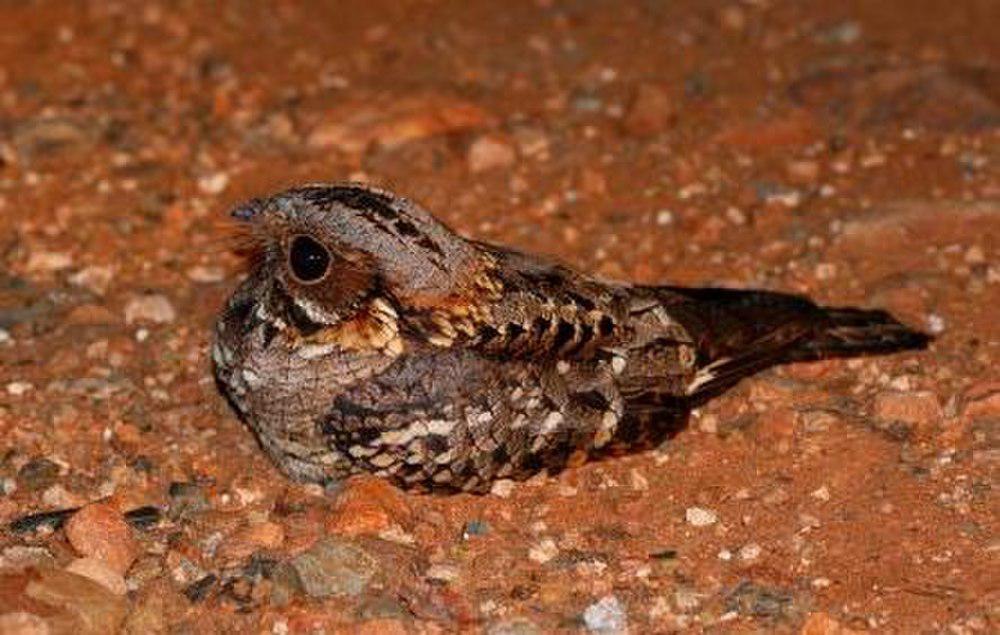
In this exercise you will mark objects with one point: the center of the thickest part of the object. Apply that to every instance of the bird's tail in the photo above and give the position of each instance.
(739, 333)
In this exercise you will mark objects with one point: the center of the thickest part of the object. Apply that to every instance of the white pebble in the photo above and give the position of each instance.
(442, 572)
(213, 183)
(605, 616)
(700, 517)
(18, 388)
(750, 552)
(822, 493)
(150, 308)
(544, 551)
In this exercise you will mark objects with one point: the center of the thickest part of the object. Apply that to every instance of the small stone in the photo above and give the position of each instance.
(490, 152)
(100, 573)
(354, 125)
(664, 217)
(700, 517)
(750, 552)
(369, 506)
(919, 409)
(92, 607)
(249, 539)
(803, 172)
(186, 499)
(823, 624)
(38, 474)
(650, 111)
(605, 616)
(19, 388)
(502, 488)
(544, 551)
(442, 573)
(935, 324)
(821, 493)
(48, 261)
(214, 183)
(154, 308)
(94, 278)
(99, 531)
(206, 274)
(334, 568)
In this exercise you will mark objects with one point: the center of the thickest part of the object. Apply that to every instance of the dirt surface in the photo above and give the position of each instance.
(848, 150)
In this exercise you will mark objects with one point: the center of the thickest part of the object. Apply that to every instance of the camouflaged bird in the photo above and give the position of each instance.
(369, 337)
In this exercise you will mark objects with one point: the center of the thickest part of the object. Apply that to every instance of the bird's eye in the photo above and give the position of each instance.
(308, 260)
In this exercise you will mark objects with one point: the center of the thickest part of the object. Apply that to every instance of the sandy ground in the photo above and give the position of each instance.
(848, 150)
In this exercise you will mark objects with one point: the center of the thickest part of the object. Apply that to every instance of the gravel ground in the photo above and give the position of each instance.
(845, 150)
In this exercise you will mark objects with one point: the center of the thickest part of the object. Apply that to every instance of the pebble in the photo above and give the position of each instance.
(38, 474)
(750, 552)
(369, 506)
(502, 488)
(19, 388)
(100, 573)
(89, 606)
(919, 409)
(354, 125)
(442, 573)
(94, 278)
(214, 183)
(99, 531)
(821, 493)
(250, 539)
(48, 261)
(543, 551)
(823, 624)
(334, 568)
(605, 616)
(490, 152)
(650, 111)
(700, 517)
(206, 274)
(155, 308)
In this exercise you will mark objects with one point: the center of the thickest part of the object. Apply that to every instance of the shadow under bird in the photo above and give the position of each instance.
(368, 337)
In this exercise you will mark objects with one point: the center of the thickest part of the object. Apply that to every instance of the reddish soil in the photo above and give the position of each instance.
(848, 150)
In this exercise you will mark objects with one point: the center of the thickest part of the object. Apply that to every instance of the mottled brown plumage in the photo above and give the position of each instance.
(368, 337)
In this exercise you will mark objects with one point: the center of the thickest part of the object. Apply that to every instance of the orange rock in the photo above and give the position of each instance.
(249, 539)
(823, 624)
(369, 506)
(919, 408)
(100, 573)
(355, 125)
(99, 531)
(490, 152)
(650, 112)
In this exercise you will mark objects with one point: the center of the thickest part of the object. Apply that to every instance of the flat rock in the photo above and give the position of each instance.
(334, 568)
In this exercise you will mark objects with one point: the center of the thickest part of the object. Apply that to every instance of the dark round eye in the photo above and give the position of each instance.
(308, 259)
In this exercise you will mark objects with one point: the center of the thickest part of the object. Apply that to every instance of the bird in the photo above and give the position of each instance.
(368, 337)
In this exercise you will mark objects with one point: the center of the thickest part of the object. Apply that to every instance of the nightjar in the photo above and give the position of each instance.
(369, 337)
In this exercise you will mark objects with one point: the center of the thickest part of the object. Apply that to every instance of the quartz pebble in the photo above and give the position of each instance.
(605, 616)
(700, 517)
(155, 308)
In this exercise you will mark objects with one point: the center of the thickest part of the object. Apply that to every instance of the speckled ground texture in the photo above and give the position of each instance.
(848, 150)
